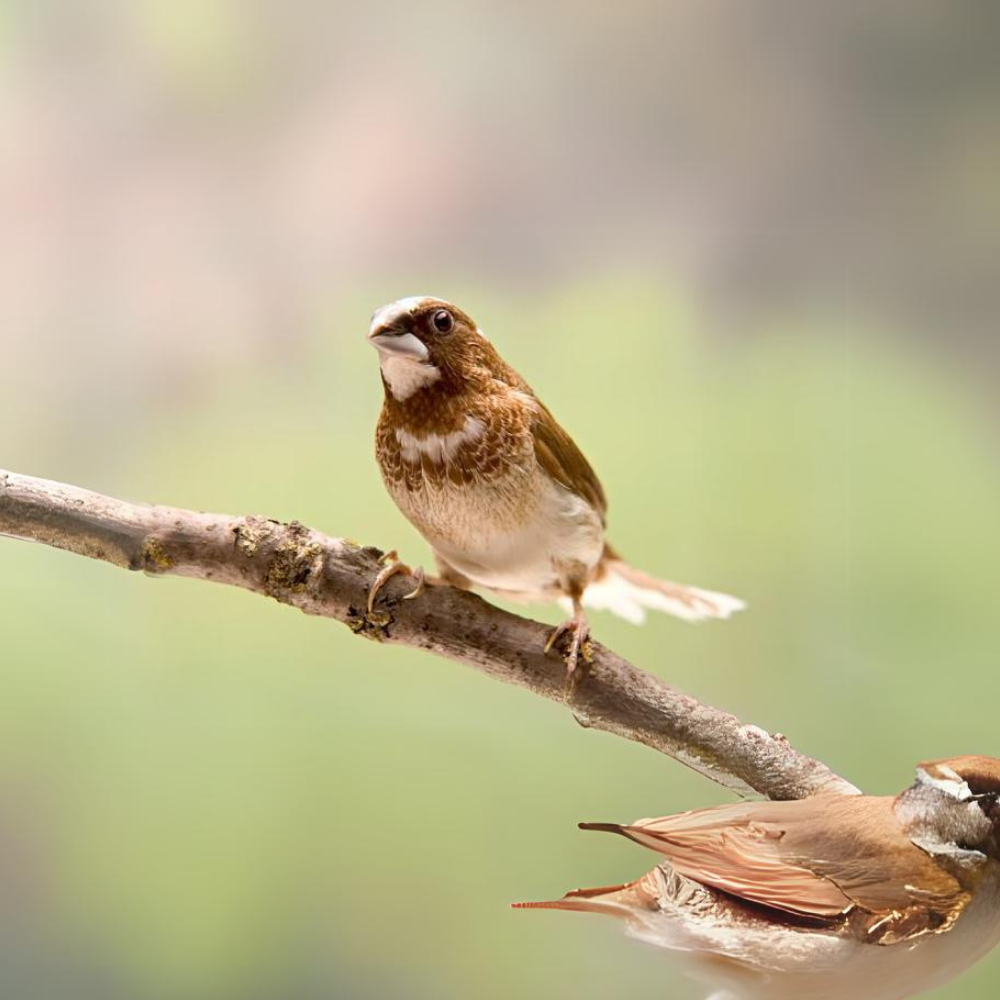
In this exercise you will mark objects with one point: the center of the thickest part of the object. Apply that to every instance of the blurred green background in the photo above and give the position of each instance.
(784, 375)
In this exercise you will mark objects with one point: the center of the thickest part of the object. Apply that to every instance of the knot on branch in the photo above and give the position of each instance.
(291, 559)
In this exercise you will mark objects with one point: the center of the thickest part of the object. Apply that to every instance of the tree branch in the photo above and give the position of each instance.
(331, 577)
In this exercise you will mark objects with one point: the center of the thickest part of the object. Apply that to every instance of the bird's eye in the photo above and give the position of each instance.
(443, 321)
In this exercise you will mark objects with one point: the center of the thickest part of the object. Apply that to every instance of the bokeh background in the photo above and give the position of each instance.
(747, 253)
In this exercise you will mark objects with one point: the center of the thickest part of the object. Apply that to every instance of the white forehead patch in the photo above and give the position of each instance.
(439, 448)
(388, 314)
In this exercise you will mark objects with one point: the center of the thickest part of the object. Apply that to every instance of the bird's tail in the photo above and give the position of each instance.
(628, 592)
(624, 901)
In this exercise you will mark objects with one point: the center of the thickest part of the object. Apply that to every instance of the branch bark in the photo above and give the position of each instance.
(331, 577)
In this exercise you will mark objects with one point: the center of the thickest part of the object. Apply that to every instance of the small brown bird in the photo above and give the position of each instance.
(506, 499)
(835, 897)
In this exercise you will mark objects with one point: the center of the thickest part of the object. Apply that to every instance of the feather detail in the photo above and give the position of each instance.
(622, 589)
(817, 858)
(743, 862)
(614, 900)
(559, 456)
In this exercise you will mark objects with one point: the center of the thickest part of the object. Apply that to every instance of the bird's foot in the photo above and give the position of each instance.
(391, 566)
(578, 647)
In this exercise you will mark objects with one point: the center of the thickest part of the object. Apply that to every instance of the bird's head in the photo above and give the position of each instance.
(954, 806)
(423, 342)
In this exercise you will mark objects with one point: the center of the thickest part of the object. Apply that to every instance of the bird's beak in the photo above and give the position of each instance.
(395, 342)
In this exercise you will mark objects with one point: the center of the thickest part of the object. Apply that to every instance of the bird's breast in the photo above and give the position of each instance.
(479, 496)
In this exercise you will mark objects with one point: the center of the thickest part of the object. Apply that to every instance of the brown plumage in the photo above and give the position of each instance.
(483, 470)
(817, 858)
(800, 899)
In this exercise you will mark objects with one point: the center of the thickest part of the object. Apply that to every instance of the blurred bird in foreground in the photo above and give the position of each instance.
(501, 492)
(835, 897)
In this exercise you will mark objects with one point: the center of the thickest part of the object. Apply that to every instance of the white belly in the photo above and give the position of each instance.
(511, 534)
(779, 964)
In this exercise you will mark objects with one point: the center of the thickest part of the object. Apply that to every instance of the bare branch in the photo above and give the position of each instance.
(330, 577)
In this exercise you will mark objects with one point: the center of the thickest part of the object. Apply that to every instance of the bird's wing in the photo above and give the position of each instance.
(818, 858)
(731, 853)
(558, 455)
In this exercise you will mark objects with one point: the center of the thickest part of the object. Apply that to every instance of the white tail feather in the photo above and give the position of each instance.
(628, 592)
